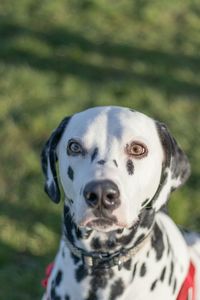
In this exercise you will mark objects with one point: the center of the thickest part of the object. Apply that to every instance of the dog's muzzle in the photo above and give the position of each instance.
(102, 195)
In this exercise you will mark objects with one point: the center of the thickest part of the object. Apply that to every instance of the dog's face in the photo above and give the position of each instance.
(113, 162)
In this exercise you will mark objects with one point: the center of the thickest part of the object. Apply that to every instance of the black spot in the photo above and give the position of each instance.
(174, 287)
(145, 202)
(171, 272)
(99, 280)
(148, 253)
(153, 285)
(96, 244)
(157, 242)
(133, 110)
(143, 270)
(162, 276)
(68, 224)
(117, 289)
(54, 296)
(168, 246)
(101, 162)
(130, 167)
(147, 218)
(58, 278)
(111, 244)
(139, 239)
(127, 264)
(70, 201)
(67, 297)
(134, 271)
(63, 253)
(79, 233)
(75, 258)
(81, 273)
(115, 162)
(94, 154)
(70, 173)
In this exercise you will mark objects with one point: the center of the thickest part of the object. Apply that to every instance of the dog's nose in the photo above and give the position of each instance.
(104, 193)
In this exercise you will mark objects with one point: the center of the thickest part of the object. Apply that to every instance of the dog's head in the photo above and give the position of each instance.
(113, 163)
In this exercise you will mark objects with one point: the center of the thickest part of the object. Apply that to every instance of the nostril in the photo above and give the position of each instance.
(111, 196)
(92, 197)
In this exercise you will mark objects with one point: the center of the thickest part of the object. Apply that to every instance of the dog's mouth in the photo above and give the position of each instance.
(106, 224)
(100, 223)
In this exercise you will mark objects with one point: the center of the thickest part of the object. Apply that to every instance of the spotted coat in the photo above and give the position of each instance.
(117, 168)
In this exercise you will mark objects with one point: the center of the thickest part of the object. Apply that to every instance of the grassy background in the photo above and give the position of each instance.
(58, 57)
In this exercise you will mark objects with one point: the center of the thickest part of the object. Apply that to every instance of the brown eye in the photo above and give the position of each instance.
(136, 149)
(74, 148)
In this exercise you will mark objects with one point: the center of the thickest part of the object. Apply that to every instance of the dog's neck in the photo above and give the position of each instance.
(94, 241)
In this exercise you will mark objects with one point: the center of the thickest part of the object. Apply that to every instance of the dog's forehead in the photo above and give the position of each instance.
(110, 122)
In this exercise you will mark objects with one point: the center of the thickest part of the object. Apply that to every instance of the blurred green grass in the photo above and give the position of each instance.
(59, 57)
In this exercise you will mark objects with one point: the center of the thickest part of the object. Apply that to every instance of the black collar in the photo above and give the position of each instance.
(102, 260)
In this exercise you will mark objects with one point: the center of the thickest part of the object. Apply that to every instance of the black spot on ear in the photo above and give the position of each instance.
(130, 167)
(157, 242)
(101, 162)
(143, 270)
(70, 173)
(115, 162)
(94, 154)
(67, 297)
(58, 277)
(117, 289)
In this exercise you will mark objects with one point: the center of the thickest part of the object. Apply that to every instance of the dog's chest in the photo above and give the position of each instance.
(141, 278)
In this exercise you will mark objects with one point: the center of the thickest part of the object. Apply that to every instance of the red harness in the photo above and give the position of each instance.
(186, 291)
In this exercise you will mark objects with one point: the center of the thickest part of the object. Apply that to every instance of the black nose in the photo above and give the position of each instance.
(104, 193)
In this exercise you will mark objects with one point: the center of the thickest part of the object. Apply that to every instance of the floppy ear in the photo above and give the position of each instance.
(49, 159)
(175, 169)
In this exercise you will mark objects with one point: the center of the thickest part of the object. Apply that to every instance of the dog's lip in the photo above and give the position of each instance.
(104, 222)
(101, 223)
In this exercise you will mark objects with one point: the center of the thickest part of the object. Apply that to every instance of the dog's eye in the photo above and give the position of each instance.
(74, 148)
(136, 149)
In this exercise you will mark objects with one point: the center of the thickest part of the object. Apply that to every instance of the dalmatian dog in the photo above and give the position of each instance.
(117, 168)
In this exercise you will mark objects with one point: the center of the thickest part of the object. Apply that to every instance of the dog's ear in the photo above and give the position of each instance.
(175, 170)
(49, 159)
